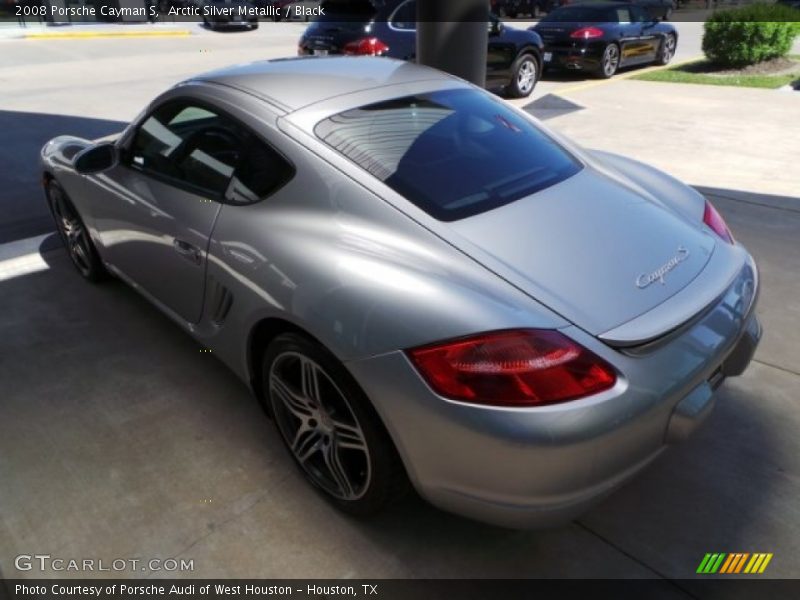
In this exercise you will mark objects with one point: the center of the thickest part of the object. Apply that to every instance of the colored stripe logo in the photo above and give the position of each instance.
(734, 563)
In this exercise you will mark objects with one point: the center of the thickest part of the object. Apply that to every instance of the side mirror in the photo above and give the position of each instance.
(95, 159)
(495, 27)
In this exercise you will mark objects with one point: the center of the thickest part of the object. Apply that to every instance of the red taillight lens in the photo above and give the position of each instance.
(530, 367)
(717, 224)
(586, 33)
(370, 46)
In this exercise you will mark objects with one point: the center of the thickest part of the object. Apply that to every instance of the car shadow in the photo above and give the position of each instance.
(23, 210)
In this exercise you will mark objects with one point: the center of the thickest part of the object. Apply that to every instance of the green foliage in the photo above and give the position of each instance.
(749, 35)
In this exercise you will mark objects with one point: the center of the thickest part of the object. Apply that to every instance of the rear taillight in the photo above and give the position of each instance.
(586, 33)
(717, 224)
(529, 367)
(369, 46)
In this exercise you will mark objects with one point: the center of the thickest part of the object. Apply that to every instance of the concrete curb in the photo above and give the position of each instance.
(628, 75)
(63, 35)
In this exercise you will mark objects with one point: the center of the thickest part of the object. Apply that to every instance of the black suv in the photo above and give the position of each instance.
(388, 28)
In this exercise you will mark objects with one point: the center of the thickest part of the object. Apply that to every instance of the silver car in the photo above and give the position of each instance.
(420, 282)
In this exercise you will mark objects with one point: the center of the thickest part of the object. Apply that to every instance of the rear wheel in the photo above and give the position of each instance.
(74, 234)
(667, 50)
(609, 63)
(525, 74)
(329, 427)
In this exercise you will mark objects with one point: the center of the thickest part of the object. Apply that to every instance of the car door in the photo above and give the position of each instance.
(501, 53)
(166, 194)
(630, 42)
(649, 38)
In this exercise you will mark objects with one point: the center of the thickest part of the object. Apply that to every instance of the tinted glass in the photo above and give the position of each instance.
(405, 17)
(454, 153)
(189, 144)
(260, 173)
(208, 152)
(580, 14)
(623, 15)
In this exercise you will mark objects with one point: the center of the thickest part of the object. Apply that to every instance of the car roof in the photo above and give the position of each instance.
(293, 83)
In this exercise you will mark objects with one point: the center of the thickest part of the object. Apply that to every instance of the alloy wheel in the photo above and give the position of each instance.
(72, 232)
(319, 426)
(668, 50)
(526, 76)
(610, 60)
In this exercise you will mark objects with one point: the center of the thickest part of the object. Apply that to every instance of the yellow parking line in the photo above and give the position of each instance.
(591, 84)
(106, 34)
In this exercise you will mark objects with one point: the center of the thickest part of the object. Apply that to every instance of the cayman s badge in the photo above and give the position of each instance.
(647, 279)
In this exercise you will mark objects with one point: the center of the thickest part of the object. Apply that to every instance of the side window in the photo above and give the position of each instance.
(405, 17)
(189, 144)
(637, 14)
(623, 16)
(260, 173)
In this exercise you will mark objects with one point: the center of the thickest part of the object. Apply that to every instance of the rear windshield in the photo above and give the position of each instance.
(454, 153)
(581, 14)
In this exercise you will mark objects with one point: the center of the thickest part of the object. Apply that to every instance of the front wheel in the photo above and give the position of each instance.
(610, 61)
(524, 76)
(667, 50)
(329, 427)
(74, 234)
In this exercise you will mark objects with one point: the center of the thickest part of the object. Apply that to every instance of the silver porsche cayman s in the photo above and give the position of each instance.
(420, 282)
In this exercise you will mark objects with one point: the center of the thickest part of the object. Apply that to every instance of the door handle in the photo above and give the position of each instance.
(187, 251)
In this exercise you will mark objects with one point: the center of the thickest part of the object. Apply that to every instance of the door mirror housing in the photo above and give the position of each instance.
(97, 158)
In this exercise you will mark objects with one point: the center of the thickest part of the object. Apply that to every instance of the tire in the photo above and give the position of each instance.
(667, 50)
(609, 63)
(74, 234)
(524, 76)
(329, 427)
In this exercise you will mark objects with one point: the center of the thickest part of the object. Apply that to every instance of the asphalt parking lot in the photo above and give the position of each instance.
(120, 438)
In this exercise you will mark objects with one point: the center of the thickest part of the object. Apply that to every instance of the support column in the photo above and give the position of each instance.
(452, 35)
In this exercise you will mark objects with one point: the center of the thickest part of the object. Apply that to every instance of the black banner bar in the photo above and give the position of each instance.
(712, 588)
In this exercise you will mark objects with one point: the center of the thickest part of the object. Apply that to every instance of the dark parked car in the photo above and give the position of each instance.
(229, 13)
(655, 9)
(520, 8)
(361, 27)
(790, 3)
(601, 37)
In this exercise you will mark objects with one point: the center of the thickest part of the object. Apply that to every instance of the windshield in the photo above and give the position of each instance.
(454, 153)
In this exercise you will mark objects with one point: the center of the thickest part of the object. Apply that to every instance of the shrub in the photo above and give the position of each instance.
(749, 35)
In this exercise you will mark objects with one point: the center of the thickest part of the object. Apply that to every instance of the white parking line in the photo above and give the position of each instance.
(22, 257)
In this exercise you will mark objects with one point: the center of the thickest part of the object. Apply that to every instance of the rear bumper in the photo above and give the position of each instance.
(527, 468)
(575, 57)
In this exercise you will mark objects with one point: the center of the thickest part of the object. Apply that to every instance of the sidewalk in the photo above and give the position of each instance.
(741, 139)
